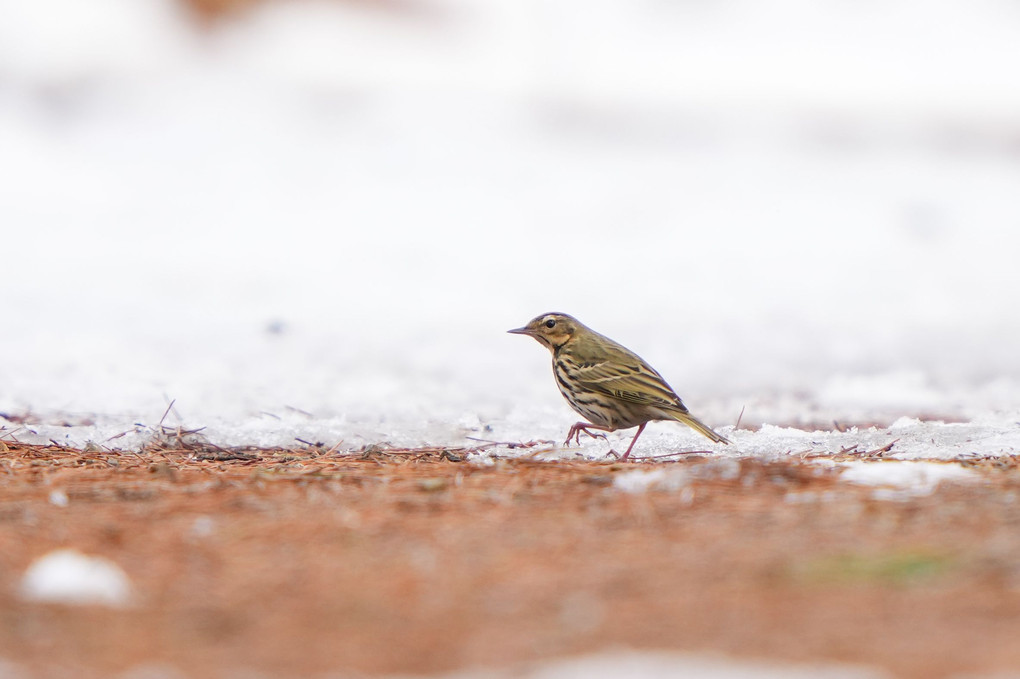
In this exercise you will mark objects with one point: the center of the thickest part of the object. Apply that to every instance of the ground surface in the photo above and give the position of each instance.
(303, 562)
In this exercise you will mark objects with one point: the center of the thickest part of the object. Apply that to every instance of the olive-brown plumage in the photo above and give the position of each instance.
(609, 385)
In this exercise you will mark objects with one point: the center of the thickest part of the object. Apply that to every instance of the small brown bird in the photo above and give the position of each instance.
(605, 382)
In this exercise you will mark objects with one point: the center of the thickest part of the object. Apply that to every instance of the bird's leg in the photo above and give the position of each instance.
(584, 427)
(633, 441)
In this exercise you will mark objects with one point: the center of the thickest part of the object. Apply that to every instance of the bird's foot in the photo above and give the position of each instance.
(582, 428)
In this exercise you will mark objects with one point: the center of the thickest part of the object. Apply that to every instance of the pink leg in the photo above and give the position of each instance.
(584, 427)
(633, 441)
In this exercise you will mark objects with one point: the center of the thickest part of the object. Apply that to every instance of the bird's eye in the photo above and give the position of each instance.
(551, 323)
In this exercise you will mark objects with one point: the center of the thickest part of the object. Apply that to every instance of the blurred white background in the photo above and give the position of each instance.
(808, 210)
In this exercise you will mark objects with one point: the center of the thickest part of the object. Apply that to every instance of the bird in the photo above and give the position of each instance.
(608, 384)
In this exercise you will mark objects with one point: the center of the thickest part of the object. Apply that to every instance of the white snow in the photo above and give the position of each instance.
(907, 439)
(58, 498)
(316, 221)
(11, 670)
(66, 576)
(203, 527)
(915, 478)
(639, 480)
(664, 665)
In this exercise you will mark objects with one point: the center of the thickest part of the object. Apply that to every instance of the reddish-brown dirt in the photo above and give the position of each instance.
(300, 562)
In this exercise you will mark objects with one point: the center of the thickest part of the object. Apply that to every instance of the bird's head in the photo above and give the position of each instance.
(553, 329)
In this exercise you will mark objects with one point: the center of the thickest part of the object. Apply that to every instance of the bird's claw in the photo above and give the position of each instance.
(576, 431)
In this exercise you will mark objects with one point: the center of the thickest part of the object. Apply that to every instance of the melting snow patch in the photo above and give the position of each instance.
(652, 665)
(639, 480)
(911, 478)
(810, 497)
(9, 670)
(66, 576)
(203, 527)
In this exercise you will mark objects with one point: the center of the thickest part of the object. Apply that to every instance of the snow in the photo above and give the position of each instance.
(662, 665)
(317, 220)
(66, 576)
(909, 439)
(59, 498)
(10, 670)
(203, 527)
(615, 664)
(914, 478)
(638, 480)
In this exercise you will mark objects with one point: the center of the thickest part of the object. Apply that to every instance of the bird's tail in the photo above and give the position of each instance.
(698, 426)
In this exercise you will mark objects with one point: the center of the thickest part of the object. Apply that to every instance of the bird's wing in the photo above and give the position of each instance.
(627, 378)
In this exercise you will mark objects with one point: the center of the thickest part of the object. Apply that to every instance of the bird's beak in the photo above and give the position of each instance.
(519, 331)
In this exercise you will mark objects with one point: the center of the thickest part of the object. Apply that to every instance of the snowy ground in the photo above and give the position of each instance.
(666, 665)
(317, 220)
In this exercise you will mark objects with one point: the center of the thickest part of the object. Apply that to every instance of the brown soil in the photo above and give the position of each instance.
(299, 562)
